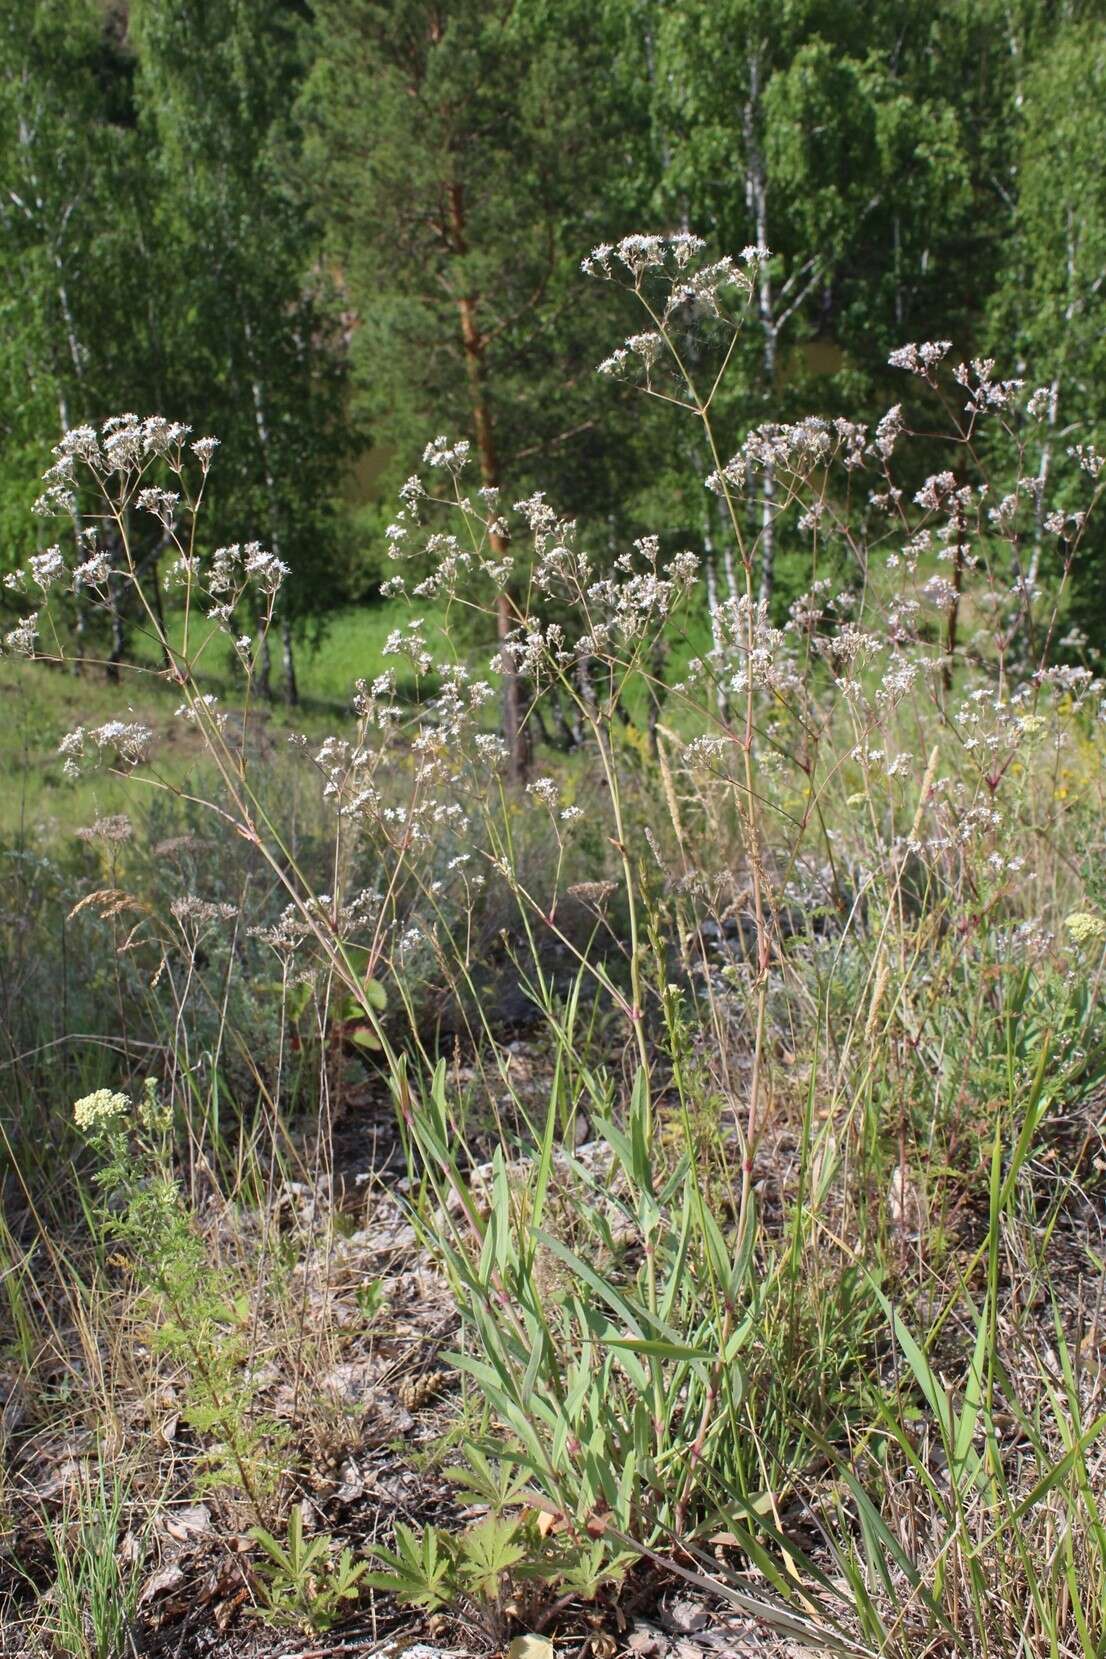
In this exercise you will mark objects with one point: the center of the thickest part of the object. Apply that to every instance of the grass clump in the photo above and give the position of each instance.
(90, 1607)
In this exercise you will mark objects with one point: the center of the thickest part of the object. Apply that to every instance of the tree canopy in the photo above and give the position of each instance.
(328, 229)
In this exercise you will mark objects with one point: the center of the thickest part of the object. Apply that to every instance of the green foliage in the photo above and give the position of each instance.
(506, 1560)
(250, 342)
(418, 1570)
(990, 1512)
(199, 1311)
(236, 230)
(1053, 271)
(828, 1012)
(303, 1583)
(624, 1390)
(89, 1609)
(457, 199)
(72, 313)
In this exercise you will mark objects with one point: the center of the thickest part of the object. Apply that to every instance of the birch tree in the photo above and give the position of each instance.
(251, 352)
(818, 131)
(1053, 302)
(73, 338)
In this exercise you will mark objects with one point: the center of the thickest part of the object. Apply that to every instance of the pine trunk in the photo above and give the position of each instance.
(514, 733)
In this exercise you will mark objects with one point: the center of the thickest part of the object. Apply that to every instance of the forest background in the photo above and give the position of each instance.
(329, 230)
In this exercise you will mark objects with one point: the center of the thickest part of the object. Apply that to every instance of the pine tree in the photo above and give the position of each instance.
(467, 154)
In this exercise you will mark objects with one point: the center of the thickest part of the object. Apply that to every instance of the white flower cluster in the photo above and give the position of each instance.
(695, 289)
(813, 607)
(640, 351)
(639, 253)
(699, 290)
(450, 456)
(545, 790)
(920, 359)
(227, 576)
(704, 752)
(94, 571)
(118, 456)
(938, 591)
(204, 707)
(129, 738)
(161, 503)
(101, 1107)
(1067, 525)
(122, 449)
(797, 450)
(410, 642)
(21, 639)
(1088, 458)
(986, 392)
(349, 768)
(627, 605)
(188, 910)
(936, 491)
(450, 561)
(46, 568)
(889, 430)
(992, 727)
(1072, 680)
(748, 652)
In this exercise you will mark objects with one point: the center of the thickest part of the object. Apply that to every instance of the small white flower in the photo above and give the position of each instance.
(21, 638)
(545, 790)
(939, 592)
(264, 568)
(920, 359)
(47, 568)
(440, 452)
(161, 503)
(93, 573)
(129, 737)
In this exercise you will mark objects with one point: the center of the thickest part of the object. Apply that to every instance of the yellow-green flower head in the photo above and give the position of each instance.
(152, 1112)
(1083, 925)
(98, 1108)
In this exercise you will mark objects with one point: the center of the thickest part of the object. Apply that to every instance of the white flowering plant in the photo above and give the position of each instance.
(792, 872)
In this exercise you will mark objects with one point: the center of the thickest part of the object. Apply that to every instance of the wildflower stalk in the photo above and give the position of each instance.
(747, 806)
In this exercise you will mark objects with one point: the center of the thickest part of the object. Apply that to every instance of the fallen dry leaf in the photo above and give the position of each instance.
(684, 1615)
(224, 1611)
(530, 1647)
(160, 1583)
(646, 1640)
(188, 1523)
